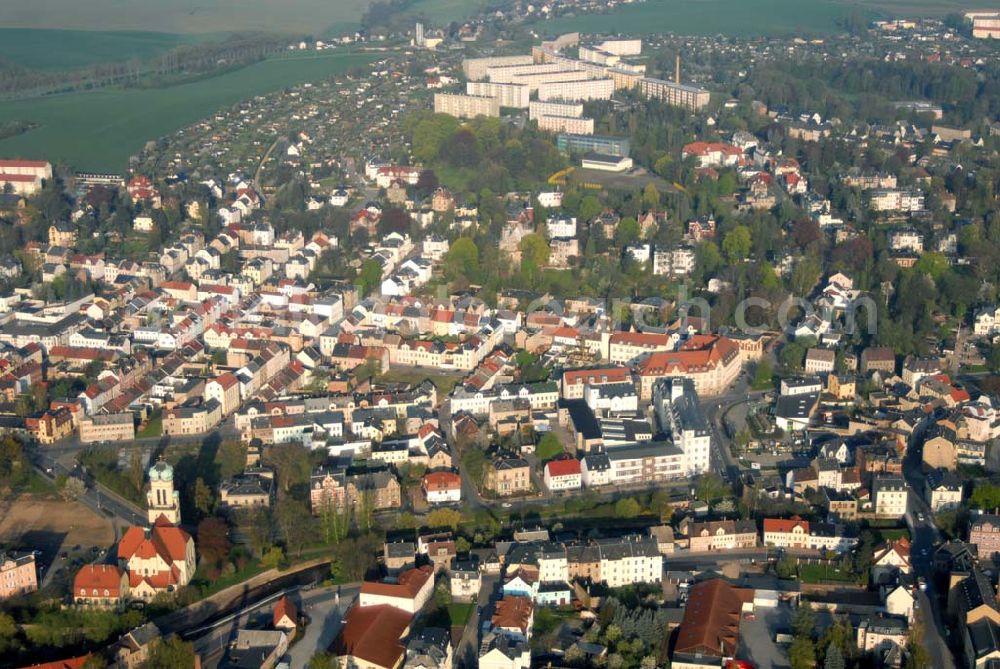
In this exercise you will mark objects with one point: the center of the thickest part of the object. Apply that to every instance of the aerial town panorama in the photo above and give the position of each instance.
(434, 334)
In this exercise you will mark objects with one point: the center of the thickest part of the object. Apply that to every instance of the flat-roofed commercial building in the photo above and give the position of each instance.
(577, 126)
(589, 89)
(538, 108)
(605, 163)
(610, 146)
(475, 68)
(466, 106)
(675, 94)
(510, 95)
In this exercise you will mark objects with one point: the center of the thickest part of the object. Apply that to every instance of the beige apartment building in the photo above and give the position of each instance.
(18, 575)
(510, 95)
(509, 476)
(110, 427)
(537, 108)
(576, 89)
(475, 69)
(674, 94)
(570, 124)
(466, 106)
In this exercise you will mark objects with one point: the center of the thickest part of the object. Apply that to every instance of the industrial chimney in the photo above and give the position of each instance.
(677, 70)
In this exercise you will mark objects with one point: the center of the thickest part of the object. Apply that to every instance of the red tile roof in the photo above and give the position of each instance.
(442, 481)
(372, 634)
(99, 577)
(513, 612)
(71, 663)
(711, 623)
(783, 525)
(568, 467)
(164, 539)
(22, 163)
(408, 584)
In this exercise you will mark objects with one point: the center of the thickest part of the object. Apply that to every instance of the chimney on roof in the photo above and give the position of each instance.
(677, 70)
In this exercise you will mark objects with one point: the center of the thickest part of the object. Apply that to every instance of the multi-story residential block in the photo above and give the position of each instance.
(582, 89)
(107, 427)
(475, 69)
(984, 533)
(675, 402)
(333, 488)
(18, 575)
(890, 496)
(674, 93)
(466, 106)
(509, 95)
(507, 476)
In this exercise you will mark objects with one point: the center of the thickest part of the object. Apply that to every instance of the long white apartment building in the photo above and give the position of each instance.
(536, 81)
(590, 89)
(466, 106)
(599, 56)
(622, 47)
(538, 108)
(510, 95)
(474, 69)
(570, 124)
(504, 74)
(674, 94)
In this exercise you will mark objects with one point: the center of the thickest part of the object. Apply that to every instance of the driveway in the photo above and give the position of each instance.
(326, 611)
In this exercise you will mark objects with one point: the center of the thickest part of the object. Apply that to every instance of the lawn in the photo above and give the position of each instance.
(306, 17)
(99, 131)
(459, 613)
(444, 383)
(154, 427)
(548, 447)
(818, 573)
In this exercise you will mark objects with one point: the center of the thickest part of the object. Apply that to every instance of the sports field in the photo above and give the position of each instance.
(100, 130)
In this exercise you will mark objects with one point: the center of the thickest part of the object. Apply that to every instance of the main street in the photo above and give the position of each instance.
(925, 537)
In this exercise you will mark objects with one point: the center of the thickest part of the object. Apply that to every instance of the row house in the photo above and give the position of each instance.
(720, 535)
(801, 534)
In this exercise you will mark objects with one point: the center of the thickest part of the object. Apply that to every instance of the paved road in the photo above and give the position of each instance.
(326, 611)
(96, 496)
(325, 608)
(925, 536)
(467, 652)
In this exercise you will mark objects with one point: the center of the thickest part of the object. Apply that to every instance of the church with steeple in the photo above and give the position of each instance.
(162, 499)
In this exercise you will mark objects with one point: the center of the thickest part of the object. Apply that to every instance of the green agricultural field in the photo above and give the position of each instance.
(740, 17)
(100, 130)
(708, 17)
(71, 49)
(312, 17)
(442, 12)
